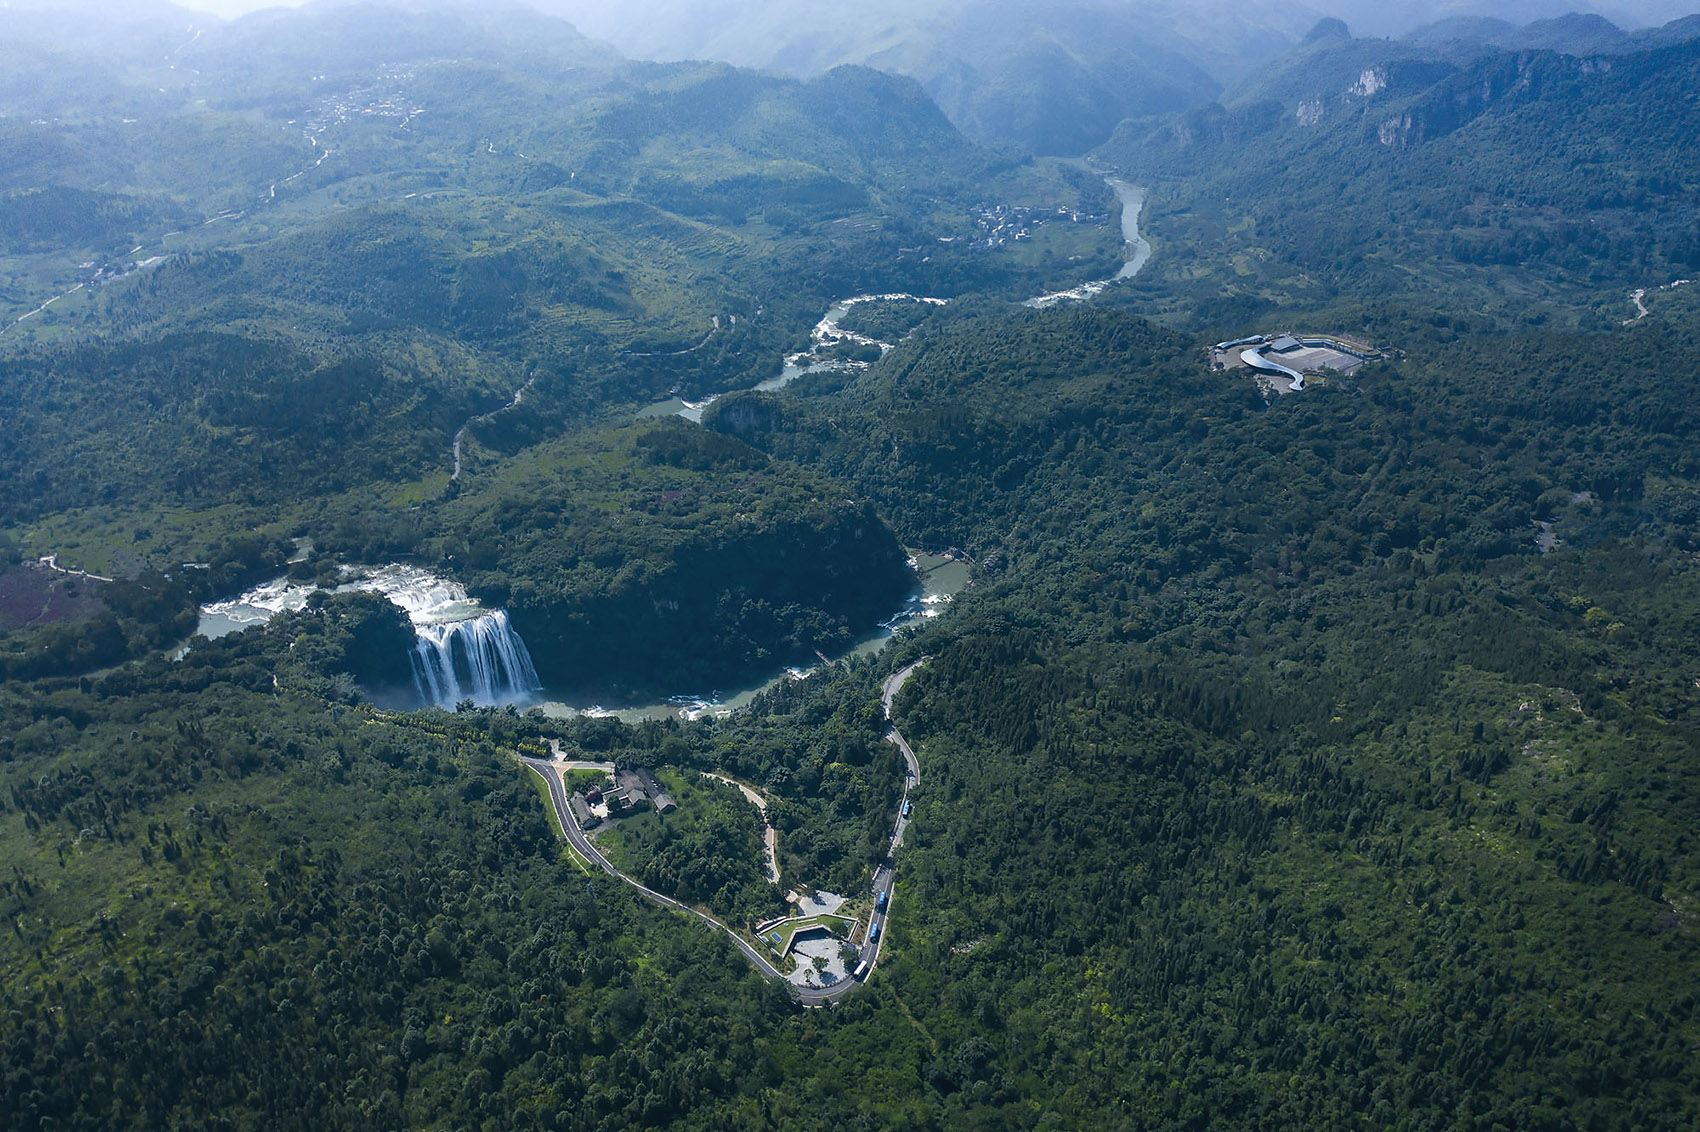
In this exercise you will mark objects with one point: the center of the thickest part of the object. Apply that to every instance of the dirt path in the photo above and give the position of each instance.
(770, 836)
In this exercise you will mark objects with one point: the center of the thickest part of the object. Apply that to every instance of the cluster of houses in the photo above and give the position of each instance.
(625, 792)
(1001, 223)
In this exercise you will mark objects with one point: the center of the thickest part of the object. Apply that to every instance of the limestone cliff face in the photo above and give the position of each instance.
(1499, 83)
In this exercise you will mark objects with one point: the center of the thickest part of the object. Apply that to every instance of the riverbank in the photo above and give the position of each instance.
(1132, 199)
(940, 578)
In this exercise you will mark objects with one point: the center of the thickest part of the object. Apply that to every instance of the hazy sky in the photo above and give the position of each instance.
(1404, 12)
(231, 8)
(226, 8)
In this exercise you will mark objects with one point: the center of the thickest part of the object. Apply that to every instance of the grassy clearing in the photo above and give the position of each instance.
(116, 542)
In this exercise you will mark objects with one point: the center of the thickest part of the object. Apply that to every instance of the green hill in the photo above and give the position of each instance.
(1313, 761)
(660, 558)
(1522, 186)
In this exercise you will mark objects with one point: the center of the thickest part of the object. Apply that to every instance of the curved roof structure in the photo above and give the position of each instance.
(1255, 359)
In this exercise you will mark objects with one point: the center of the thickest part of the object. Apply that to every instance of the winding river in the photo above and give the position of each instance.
(827, 332)
(1132, 199)
(430, 600)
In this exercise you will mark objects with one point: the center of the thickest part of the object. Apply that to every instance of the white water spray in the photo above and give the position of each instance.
(480, 659)
(462, 651)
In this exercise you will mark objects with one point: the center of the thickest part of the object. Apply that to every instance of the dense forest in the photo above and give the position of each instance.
(1324, 760)
(1529, 188)
(661, 556)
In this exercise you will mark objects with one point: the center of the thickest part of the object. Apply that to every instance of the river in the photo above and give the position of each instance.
(1132, 199)
(941, 578)
(440, 608)
(432, 601)
(428, 599)
(827, 332)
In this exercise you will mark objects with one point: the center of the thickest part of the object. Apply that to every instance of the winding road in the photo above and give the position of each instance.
(551, 772)
(769, 836)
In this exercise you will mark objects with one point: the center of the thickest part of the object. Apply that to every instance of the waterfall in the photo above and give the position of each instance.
(480, 659)
(461, 650)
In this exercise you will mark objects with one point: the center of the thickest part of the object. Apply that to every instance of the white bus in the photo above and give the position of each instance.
(861, 971)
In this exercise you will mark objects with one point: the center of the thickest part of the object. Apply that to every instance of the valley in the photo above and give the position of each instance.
(1021, 568)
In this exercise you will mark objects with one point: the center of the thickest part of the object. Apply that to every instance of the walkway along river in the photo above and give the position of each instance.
(552, 774)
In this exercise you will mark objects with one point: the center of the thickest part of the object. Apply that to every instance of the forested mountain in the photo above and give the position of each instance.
(1051, 79)
(1318, 760)
(644, 560)
(1540, 185)
(377, 248)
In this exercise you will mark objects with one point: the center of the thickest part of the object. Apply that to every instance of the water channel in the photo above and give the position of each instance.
(941, 579)
(446, 620)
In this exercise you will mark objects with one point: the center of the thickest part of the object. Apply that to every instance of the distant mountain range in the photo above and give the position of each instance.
(1380, 18)
(1056, 78)
(1046, 78)
(1527, 179)
(1570, 34)
(1050, 79)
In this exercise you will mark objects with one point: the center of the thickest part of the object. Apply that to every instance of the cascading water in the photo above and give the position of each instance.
(462, 651)
(480, 659)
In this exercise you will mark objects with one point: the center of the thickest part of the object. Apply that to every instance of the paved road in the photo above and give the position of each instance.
(551, 772)
(769, 835)
(551, 775)
(894, 683)
(884, 876)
